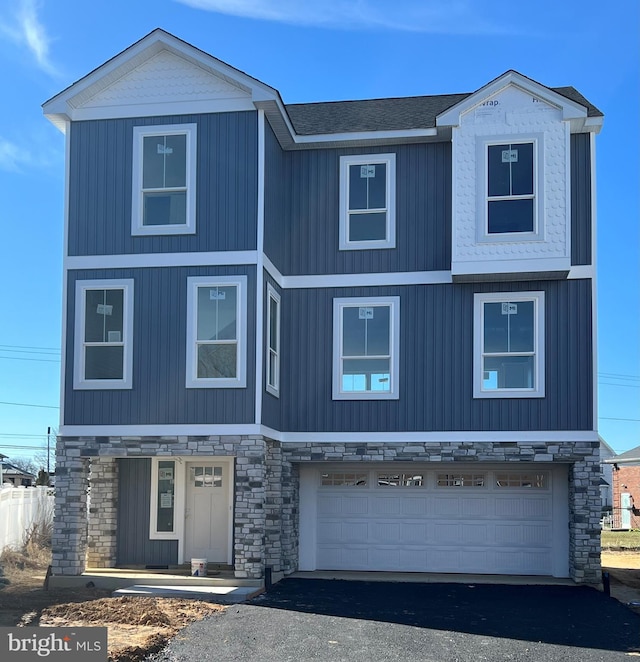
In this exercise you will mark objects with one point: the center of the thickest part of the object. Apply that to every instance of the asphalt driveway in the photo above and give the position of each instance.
(333, 620)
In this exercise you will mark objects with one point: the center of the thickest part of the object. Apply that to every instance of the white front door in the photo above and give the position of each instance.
(207, 511)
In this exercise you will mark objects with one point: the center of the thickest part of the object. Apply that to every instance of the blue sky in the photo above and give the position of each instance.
(310, 51)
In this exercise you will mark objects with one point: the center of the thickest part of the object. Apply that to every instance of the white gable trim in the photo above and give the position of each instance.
(570, 109)
(69, 103)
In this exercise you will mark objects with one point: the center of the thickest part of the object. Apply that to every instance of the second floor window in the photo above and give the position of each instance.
(511, 188)
(164, 179)
(367, 201)
(216, 332)
(366, 348)
(103, 334)
(273, 341)
(509, 345)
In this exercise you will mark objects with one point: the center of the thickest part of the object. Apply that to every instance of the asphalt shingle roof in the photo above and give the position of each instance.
(395, 114)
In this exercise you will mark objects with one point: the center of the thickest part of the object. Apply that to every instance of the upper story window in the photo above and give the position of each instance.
(216, 332)
(366, 346)
(103, 334)
(509, 345)
(367, 201)
(273, 341)
(510, 188)
(164, 179)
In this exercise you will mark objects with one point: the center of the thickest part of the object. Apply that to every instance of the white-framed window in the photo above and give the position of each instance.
(511, 187)
(216, 332)
(366, 348)
(523, 480)
(509, 345)
(344, 479)
(103, 334)
(461, 480)
(273, 341)
(367, 201)
(164, 180)
(167, 498)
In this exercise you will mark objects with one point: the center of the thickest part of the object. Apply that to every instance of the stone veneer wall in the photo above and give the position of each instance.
(103, 513)
(267, 484)
(584, 479)
(71, 525)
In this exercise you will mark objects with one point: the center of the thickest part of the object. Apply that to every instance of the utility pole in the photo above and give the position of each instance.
(48, 451)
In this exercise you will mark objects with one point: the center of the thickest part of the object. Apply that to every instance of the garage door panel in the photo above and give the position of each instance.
(416, 506)
(386, 505)
(343, 505)
(432, 527)
(523, 533)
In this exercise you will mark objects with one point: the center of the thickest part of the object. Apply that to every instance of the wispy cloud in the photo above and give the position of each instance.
(429, 16)
(19, 158)
(26, 30)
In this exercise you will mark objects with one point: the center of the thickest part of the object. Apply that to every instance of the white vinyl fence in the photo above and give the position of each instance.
(20, 509)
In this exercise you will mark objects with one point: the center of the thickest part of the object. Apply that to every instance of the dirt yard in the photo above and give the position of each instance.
(137, 626)
(141, 626)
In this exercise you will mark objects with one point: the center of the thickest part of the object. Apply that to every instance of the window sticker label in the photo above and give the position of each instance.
(163, 149)
(365, 313)
(114, 336)
(509, 156)
(166, 500)
(165, 474)
(104, 309)
(367, 171)
(509, 308)
(217, 295)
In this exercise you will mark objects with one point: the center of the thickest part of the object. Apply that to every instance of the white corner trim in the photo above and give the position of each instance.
(273, 271)
(581, 271)
(141, 260)
(259, 325)
(594, 283)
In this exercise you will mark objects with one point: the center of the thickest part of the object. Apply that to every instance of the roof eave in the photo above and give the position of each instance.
(571, 110)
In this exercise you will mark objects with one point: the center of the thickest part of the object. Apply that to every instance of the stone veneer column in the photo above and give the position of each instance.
(585, 506)
(290, 522)
(103, 513)
(273, 507)
(69, 540)
(249, 523)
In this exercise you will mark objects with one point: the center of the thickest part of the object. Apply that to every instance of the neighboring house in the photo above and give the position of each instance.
(345, 335)
(16, 476)
(606, 475)
(626, 489)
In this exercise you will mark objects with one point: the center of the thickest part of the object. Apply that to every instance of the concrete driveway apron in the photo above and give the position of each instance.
(334, 620)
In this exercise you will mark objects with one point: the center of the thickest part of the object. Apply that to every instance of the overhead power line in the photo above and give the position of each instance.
(25, 404)
(609, 418)
(52, 349)
(24, 358)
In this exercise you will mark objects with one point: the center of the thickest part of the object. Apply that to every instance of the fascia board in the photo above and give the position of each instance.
(570, 109)
(63, 104)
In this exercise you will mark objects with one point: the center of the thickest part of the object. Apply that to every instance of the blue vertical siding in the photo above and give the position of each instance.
(302, 211)
(581, 199)
(226, 186)
(134, 501)
(436, 363)
(277, 201)
(159, 395)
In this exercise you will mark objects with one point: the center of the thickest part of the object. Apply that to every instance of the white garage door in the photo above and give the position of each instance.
(449, 520)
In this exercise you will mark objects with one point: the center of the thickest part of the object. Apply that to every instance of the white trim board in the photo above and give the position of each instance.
(236, 258)
(203, 430)
(140, 260)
